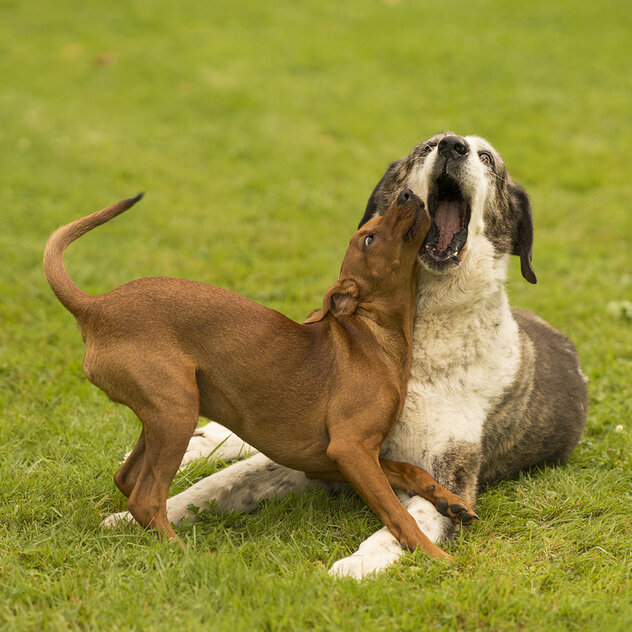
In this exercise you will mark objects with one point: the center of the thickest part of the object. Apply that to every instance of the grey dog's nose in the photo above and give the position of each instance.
(453, 147)
(405, 196)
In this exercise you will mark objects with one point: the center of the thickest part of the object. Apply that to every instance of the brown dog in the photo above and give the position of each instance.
(319, 397)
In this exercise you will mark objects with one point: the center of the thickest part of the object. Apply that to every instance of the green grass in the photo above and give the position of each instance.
(258, 130)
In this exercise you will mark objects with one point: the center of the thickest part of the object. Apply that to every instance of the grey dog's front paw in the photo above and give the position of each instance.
(375, 554)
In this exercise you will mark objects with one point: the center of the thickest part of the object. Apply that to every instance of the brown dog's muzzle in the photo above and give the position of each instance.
(411, 211)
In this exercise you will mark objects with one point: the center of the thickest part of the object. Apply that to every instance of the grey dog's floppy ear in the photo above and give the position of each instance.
(522, 244)
(341, 299)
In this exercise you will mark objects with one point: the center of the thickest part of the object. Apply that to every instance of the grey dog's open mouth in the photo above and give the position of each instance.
(450, 214)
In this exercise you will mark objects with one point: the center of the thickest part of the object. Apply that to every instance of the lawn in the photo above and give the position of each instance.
(257, 131)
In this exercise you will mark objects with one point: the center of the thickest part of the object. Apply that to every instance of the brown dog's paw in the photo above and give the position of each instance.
(457, 512)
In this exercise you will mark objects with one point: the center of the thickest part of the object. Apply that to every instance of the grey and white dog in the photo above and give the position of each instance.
(492, 391)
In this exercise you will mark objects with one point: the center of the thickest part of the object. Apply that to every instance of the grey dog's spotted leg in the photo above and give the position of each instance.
(457, 469)
(239, 488)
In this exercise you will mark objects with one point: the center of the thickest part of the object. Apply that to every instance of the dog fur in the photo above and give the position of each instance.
(318, 397)
(492, 391)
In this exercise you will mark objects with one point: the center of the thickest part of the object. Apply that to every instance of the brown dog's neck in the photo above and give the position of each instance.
(392, 330)
(392, 336)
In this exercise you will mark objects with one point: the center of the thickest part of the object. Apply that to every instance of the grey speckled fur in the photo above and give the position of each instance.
(541, 418)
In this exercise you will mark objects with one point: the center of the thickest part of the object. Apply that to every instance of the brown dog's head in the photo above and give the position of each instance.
(379, 269)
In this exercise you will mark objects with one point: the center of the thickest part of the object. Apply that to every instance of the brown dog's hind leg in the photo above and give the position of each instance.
(414, 480)
(359, 464)
(166, 438)
(127, 475)
(165, 398)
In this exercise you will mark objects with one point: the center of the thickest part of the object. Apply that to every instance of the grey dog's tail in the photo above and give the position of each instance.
(71, 297)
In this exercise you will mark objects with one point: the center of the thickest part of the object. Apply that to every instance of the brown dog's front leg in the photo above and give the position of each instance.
(360, 466)
(414, 480)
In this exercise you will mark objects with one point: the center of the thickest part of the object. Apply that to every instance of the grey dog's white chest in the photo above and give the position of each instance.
(462, 365)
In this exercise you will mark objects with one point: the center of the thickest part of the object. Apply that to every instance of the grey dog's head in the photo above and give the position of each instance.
(468, 193)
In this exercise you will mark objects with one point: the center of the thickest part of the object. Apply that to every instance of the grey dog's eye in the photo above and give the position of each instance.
(368, 240)
(486, 158)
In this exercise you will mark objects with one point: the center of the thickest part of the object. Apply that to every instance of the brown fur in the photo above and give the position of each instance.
(318, 397)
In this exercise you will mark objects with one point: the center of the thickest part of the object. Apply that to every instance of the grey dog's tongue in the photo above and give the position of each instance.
(448, 220)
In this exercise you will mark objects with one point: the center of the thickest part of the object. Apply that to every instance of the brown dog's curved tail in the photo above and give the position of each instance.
(70, 296)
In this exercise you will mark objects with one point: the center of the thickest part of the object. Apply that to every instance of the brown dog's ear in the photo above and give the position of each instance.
(341, 299)
(523, 236)
(344, 297)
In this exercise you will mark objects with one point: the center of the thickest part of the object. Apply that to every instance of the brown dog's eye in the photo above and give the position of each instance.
(368, 240)
(486, 158)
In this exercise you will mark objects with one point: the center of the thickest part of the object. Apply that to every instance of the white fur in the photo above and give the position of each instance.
(225, 491)
(463, 361)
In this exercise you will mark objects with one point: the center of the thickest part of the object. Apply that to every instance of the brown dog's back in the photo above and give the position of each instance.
(244, 357)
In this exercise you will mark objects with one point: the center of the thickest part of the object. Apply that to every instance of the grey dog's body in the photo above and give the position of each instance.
(492, 391)
(514, 393)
